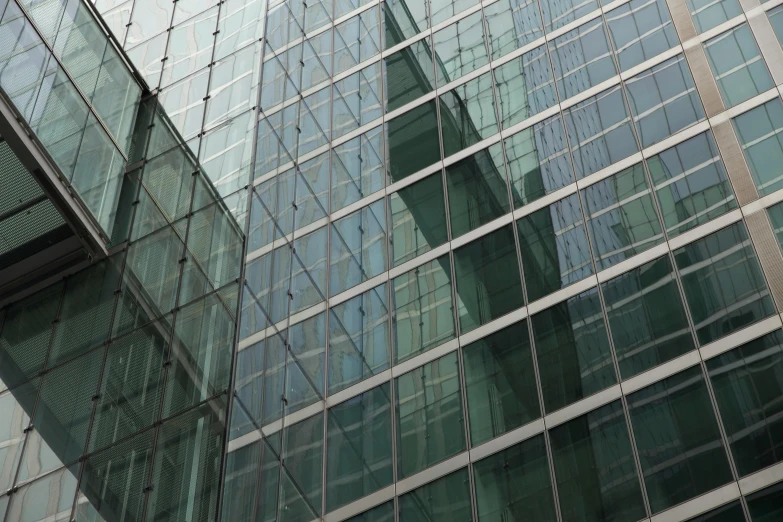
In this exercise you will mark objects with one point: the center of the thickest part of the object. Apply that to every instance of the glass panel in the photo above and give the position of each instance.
(663, 100)
(448, 498)
(382, 513)
(359, 344)
(581, 58)
(515, 484)
(621, 217)
(766, 505)
(460, 48)
(150, 17)
(640, 29)
(538, 161)
(13, 408)
(404, 19)
(510, 24)
(759, 132)
(775, 16)
(678, 440)
(409, 73)
(305, 372)
(49, 498)
(691, 184)
(467, 114)
(488, 281)
(748, 384)
(724, 287)
(558, 13)
(525, 86)
(241, 485)
(607, 138)
(728, 513)
(359, 458)
(190, 47)
(572, 348)
(646, 317)
(357, 100)
(358, 168)
(358, 247)
(596, 474)
(233, 84)
(413, 141)
(423, 314)
(418, 219)
(441, 10)
(500, 383)
(430, 422)
(356, 40)
(477, 190)
(707, 14)
(308, 280)
(775, 214)
(554, 248)
(737, 65)
(302, 457)
(241, 22)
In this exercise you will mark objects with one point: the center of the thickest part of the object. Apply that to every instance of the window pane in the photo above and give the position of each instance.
(525, 86)
(359, 457)
(442, 10)
(413, 141)
(430, 423)
(766, 505)
(357, 100)
(621, 216)
(775, 16)
(775, 213)
(382, 513)
(737, 65)
(511, 24)
(558, 13)
(581, 58)
(500, 383)
(691, 184)
(759, 132)
(554, 247)
(488, 281)
(641, 29)
(460, 48)
(609, 136)
(538, 161)
(748, 384)
(403, 20)
(596, 474)
(358, 247)
(477, 190)
(409, 73)
(572, 348)
(707, 14)
(678, 440)
(467, 114)
(663, 100)
(358, 168)
(418, 219)
(515, 484)
(728, 513)
(423, 309)
(723, 284)
(447, 498)
(646, 317)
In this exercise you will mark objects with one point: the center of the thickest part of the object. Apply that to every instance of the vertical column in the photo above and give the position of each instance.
(702, 76)
(737, 168)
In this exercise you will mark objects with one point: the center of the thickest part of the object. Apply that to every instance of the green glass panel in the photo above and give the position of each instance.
(460, 48)
(554, 247)
(430, 423)
(759, 132)
(691, 184)
(303, 461)
(409, 74)
(511, 24)
(728, 513)
(467, 114)
(359, 457)
(748, 384)
(442, 10)
(775, 18)
(46, 498)
(500, 383)
(448, 498)
(677, 439)
(477, 190)
(418, 219)
(488, 281)
(572, 348)
(169, 178)
(423, 314)
(707, 14)
(560, 12)
(358, 247)
(241, 483)
(515, 484)
(646, 317)
(581, 58)
(404, 20)
(766, 505)
(640, 30)
(724, 287)
(621, 216)
(358, 168)
(413, 141)
(382, 513)
(524, 86)
(308, 277)
(775, 214)
(596, 474)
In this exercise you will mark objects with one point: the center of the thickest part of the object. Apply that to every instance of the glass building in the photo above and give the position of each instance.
(391, 260)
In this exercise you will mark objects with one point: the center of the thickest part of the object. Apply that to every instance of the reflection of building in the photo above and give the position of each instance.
(504, 260)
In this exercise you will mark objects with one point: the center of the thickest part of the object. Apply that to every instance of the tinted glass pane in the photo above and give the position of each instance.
(488, 281)
(441, 10)
(748, 384)
(409, 73)
(515, 484)
(596, 474)
(621, 217)
(724, 287)
(766, 505)
(691, 184)
(646, 317)
(460, 48)
(302, 458)
(359, 457)
(511, 24)
(418, 219)
(358, 247)
(413, 141)
(640, 30)
(477, 190)
(430, 423)
(468, 114)
(524, 86)
(447, 498)
(678, 439)
(357, 168)
(775, 213)
(737, 65)
(759, 133)
(423, 310)
(707, 14)
(404, 19)
(558, 13)
(775, 16)
(500, 383)
(382, 513)
(554, 248)
(581, 58)
(572, 348)
(728, 513)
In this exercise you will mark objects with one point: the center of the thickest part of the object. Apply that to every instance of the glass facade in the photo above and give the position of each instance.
(505, 260)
